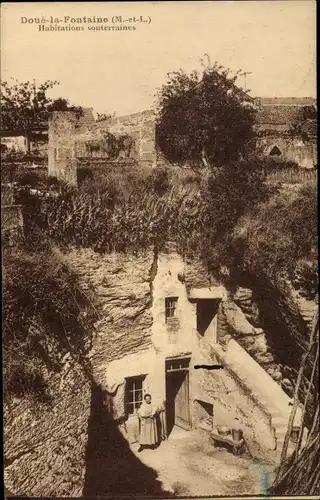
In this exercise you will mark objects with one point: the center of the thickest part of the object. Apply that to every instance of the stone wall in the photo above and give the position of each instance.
(62, 162)
(292, 149)
(244, 326)
(45, 446)
(141, 126)
(16, 143)
(68, 142)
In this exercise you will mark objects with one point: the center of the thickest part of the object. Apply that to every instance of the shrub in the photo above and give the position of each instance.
(305, 278)
(42, 318)
(159, 181)
(31, 179)
(84, 174)
(279, 233)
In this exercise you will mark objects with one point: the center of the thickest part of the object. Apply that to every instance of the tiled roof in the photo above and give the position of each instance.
(277, 114)
(285, 101)
(281, 110)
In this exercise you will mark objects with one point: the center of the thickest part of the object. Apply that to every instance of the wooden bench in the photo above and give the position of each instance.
(236, 446)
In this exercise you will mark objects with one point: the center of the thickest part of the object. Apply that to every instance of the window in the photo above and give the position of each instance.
(171, 307)
(180, 364)
(133, 394)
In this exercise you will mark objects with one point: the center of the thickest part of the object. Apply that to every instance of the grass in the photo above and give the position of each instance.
(292, 175)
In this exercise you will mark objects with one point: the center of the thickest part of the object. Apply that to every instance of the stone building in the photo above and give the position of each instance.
(70, 135)
(162, 318)
(276, 118)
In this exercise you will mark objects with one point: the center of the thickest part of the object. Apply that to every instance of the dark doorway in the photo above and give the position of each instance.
(206, 311)
(275, 151)
(177, 394)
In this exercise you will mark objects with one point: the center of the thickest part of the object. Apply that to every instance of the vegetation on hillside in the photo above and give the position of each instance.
(234, 219)
(45, 315)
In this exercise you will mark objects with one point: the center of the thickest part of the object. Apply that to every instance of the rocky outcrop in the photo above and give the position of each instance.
(196, 275)
(45, 445)
(274, 329)
(122, 285)
(244, 319)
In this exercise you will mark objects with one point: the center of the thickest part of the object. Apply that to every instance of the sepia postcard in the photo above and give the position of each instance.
(159, 249)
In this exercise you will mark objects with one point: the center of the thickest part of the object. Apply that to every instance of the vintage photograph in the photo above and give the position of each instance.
(159, 249)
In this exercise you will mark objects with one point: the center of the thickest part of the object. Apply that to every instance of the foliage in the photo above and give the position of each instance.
(207, 119)
(304, 114)
(44, 311)
(25, 107)
(281, 233)
(133, 210)
(29, 179)
(305, 278)
(234, 191)
(159, 181)
(61, 104)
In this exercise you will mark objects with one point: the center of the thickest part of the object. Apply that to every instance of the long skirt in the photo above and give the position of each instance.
(148, 431)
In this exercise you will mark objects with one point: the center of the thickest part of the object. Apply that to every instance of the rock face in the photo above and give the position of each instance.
(45, 447)
(243, 318)
(273, 330)
(123, 288)
(233, 404)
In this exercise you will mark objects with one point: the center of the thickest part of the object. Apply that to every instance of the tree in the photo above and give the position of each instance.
(206, 119)
(25, 107)
(61, 104)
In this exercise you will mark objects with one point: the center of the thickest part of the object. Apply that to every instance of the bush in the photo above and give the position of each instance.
(31, 179)
(159, 181)
(305, 278)
(43, 304)
(84, 174)
(52, 182)
(279, 233)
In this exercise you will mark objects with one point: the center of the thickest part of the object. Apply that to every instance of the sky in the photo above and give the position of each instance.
(120, 71)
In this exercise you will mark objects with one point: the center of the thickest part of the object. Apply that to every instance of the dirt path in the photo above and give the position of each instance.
(188, 465)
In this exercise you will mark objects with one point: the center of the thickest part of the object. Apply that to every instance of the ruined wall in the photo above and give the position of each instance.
(67, 141)
(292, 149)
(62, 162)
(141, 126)
(45, 446)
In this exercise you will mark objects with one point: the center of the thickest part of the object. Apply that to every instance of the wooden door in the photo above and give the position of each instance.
(181, 401)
